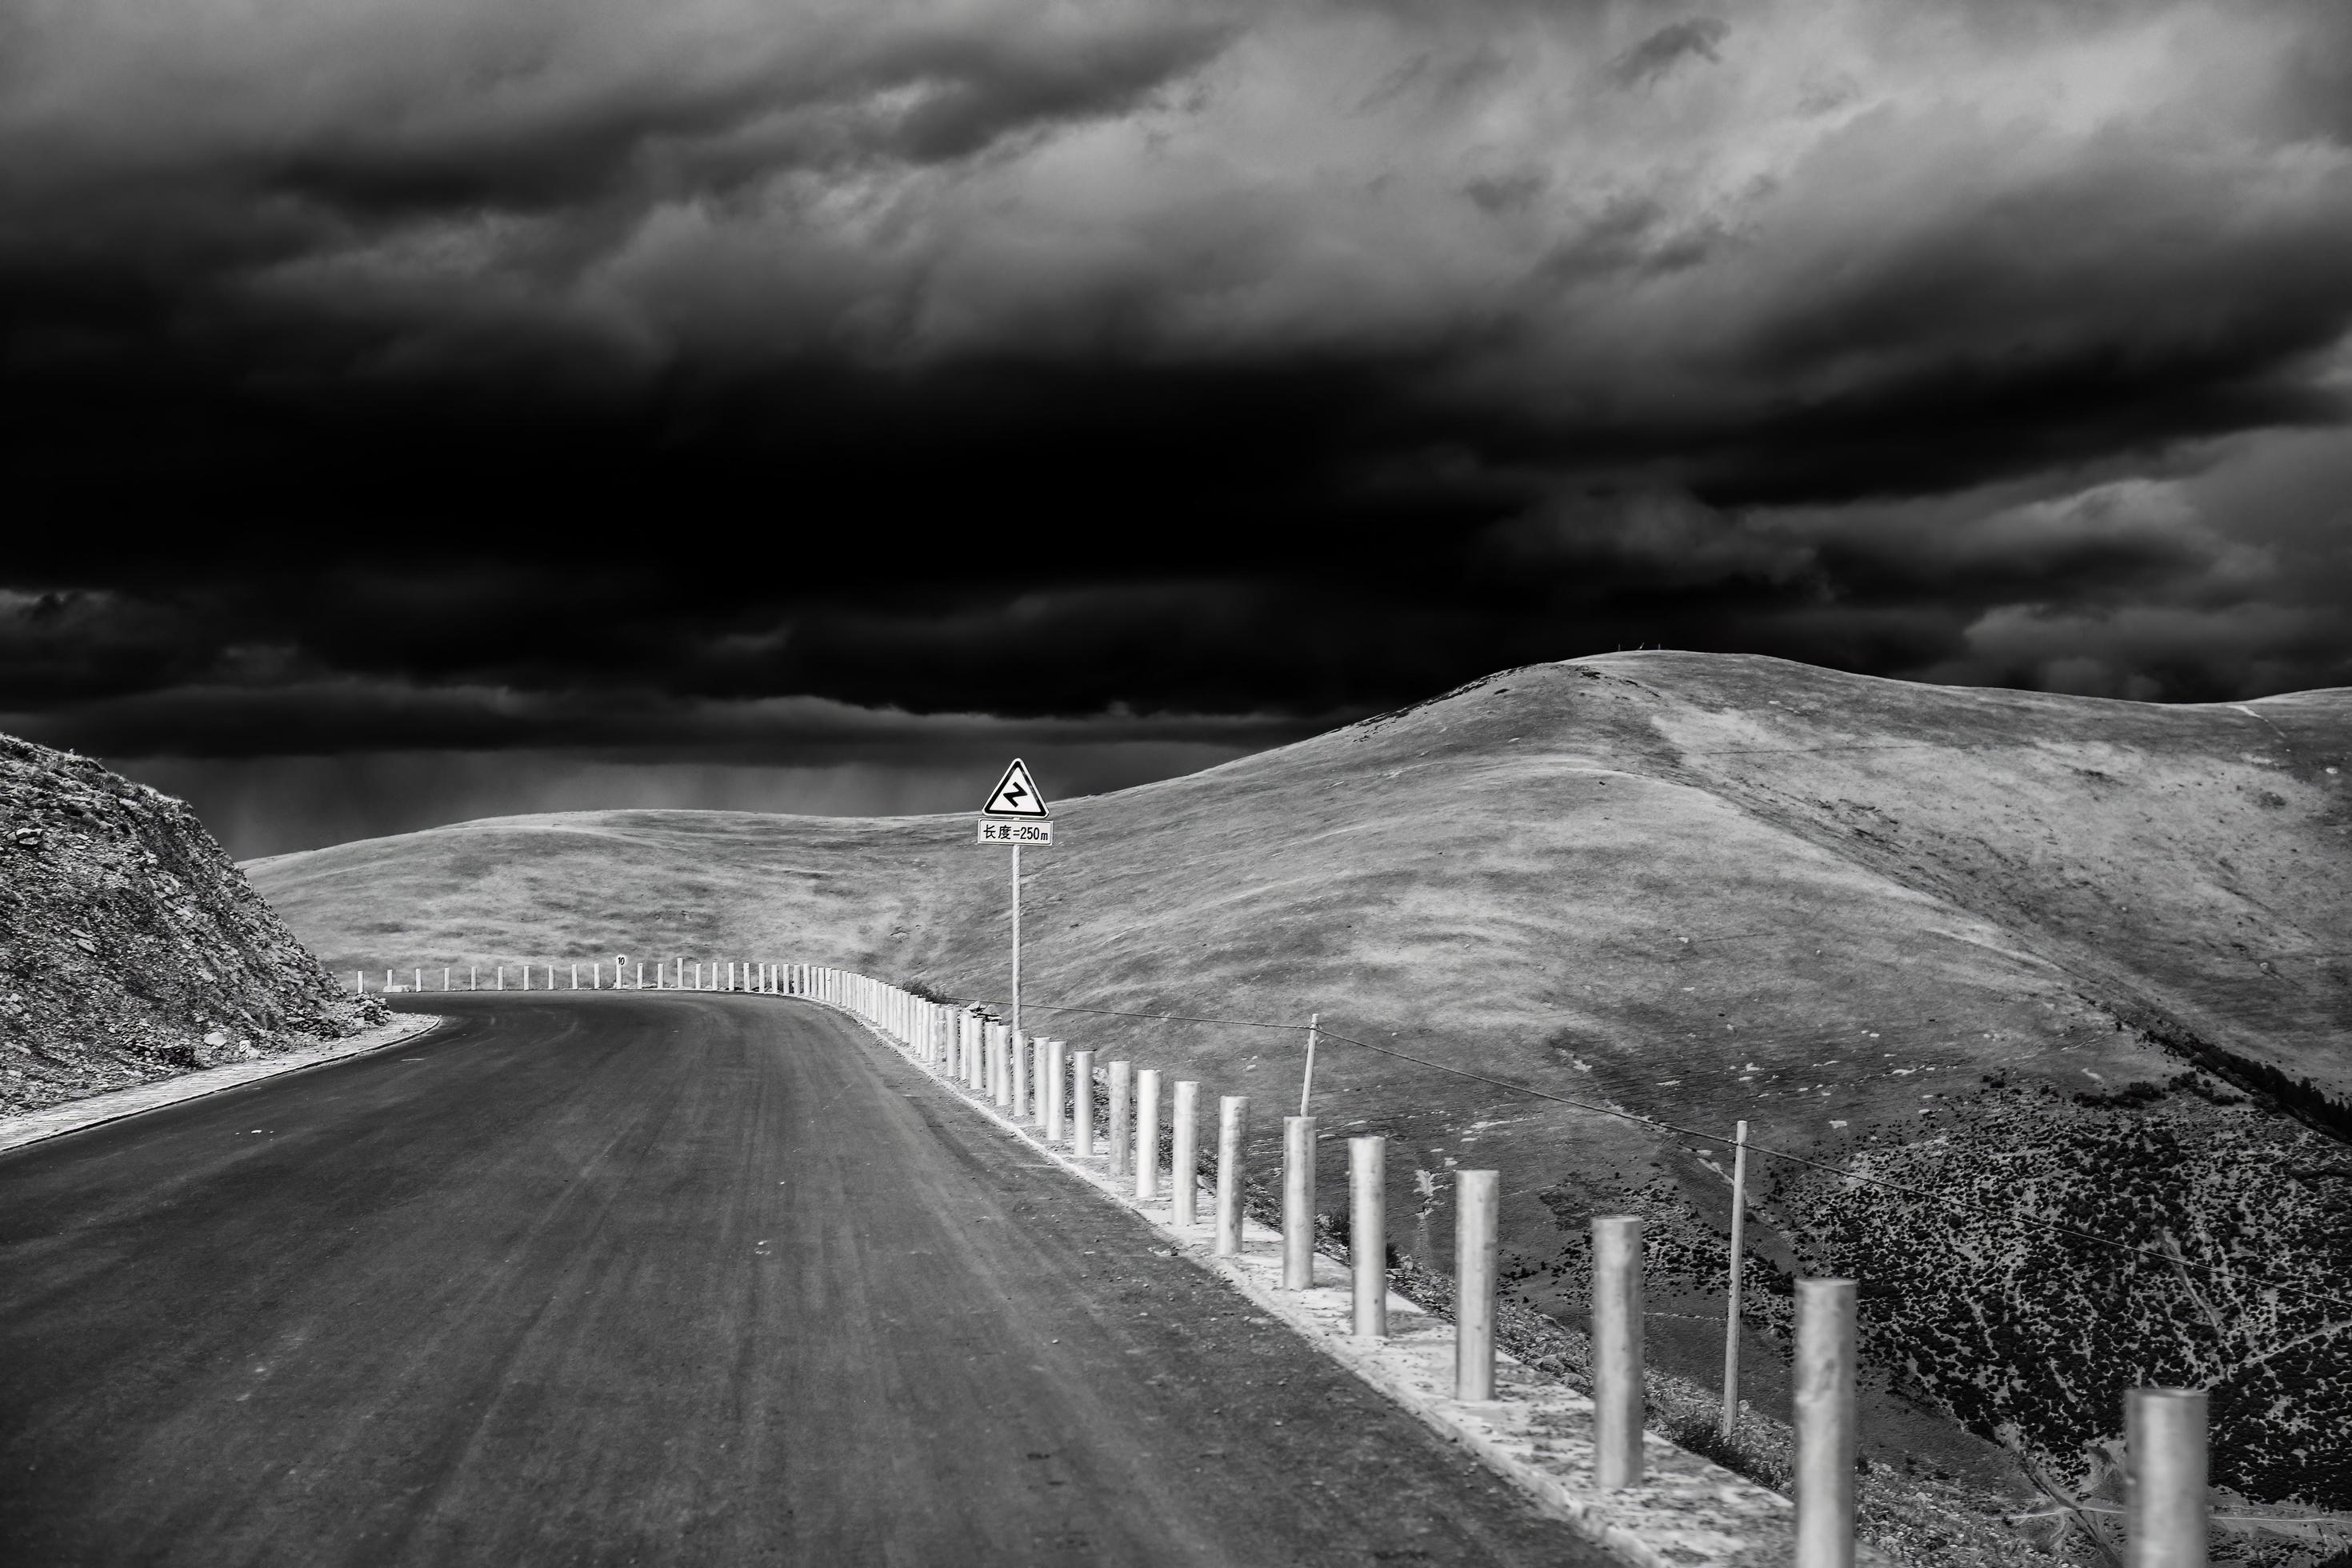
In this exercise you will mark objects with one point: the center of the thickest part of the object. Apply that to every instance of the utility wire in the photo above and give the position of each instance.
(1840, 1171)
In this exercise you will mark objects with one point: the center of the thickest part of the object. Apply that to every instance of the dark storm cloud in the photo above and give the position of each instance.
(586, 377)
(346, 715)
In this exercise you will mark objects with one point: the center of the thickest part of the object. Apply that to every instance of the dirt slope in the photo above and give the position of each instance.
(1864, 915)
(130, 948)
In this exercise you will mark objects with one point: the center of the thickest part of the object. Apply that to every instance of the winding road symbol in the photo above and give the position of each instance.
(1016, 796)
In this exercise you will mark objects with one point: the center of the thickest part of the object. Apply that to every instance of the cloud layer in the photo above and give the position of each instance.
(1085, 359)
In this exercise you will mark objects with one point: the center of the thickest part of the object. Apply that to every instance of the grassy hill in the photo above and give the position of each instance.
(1874, 919)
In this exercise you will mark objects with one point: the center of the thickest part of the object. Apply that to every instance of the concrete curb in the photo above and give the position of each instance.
(1689, 1512)
(98, 1110)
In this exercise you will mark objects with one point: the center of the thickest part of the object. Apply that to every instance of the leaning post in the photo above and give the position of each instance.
(1731, 1308)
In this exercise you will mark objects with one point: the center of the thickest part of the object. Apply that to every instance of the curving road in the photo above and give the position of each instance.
(659, 1280)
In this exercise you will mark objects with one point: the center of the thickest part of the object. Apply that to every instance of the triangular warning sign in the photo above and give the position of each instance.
(1016, 796)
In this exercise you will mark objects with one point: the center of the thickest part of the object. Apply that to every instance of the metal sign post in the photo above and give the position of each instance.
(1019, 1045)
(1016, 815)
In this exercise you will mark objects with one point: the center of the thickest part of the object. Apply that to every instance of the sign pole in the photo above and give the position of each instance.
(1016, 814)
(1016, 946)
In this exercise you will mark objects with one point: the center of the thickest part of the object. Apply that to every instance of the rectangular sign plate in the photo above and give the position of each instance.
(1015, 832)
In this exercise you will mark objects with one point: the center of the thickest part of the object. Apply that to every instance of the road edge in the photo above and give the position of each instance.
(1690, 1513)
(72, 1116)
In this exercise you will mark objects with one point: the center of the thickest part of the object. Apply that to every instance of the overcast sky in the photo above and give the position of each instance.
(418, 409)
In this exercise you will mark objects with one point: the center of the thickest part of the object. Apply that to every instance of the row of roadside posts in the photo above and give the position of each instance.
(2164, 1428)
(668, 975)
(1043, 1082)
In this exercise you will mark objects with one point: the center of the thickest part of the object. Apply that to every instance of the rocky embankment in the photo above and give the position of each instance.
(130, 947)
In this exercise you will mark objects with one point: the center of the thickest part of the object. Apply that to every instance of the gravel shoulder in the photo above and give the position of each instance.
(98, 1110)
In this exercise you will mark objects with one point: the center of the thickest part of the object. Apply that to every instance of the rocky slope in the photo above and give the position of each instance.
(130, 948)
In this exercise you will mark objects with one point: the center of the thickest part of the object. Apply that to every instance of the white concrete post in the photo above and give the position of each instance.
(1057, 1089)
(1233, 1126)
(1368, 1232)
(1122, 1117)
(474, 977)
(1082, 1103)
(1184, 1170)
(1003, 1065)
(419, 984)
(387, 980)
(596, 976)
(1825, 1422)
(1147, 1134)
(359, 981)
(1298, 1203)
(1731, 1308)
(1033, 1067)
(444, 977)
(2164, 1456)
(1618, 1402)
(1477, 1206)
(502, 976)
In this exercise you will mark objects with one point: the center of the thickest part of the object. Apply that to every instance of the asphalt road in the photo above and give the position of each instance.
(667, 1280)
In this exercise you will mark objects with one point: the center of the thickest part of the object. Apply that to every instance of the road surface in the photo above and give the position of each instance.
(659, 1280)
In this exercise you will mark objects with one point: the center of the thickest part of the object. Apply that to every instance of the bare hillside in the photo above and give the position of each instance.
(1876, 920)
(130, 948)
